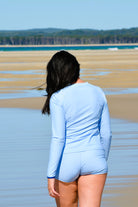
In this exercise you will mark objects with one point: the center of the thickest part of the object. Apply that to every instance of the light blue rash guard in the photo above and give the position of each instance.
(80, 122)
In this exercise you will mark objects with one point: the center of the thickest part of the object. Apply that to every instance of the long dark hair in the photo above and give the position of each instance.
(62, 70)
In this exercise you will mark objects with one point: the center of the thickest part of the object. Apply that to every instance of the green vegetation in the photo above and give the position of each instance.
(53, 36)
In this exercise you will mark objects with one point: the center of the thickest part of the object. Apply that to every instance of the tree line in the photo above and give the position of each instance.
(60, 36)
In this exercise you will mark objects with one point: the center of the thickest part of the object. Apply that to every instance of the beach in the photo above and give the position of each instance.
(113, 71)
(116, 72)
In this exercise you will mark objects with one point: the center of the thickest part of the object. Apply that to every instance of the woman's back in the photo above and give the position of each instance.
(82, 105)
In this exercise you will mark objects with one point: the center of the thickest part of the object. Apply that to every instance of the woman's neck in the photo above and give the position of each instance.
(79, 81)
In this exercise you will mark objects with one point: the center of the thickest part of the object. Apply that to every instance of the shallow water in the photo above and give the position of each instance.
(39, 93)
(117, 91)
(24, 148)
(22, 94)
(23, 72)
(85, 74)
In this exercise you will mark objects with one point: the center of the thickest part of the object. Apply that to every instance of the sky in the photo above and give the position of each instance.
(68, 14)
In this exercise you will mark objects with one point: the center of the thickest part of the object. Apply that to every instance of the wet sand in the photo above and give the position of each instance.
(111, 70)
(122, 66)
(120, 106)
(122, 195)
(24, 158)
(107, 69)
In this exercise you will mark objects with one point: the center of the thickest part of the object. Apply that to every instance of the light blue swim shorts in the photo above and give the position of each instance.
(75, 164)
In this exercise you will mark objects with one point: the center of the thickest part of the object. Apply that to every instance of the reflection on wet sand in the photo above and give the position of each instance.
(24, 156)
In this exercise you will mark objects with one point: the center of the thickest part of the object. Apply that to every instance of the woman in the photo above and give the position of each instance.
(81, 135)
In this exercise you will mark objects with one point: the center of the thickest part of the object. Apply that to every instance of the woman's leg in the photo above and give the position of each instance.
(68, 194)
(90, 188)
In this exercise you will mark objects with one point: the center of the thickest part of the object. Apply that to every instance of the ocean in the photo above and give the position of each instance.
(50, 48)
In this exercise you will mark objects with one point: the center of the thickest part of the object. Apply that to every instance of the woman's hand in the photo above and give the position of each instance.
(51, 188)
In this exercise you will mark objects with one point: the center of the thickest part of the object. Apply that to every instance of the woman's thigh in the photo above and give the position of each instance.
(90, 188)
(68, 194)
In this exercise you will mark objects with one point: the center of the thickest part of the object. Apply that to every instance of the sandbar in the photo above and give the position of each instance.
(120, 67)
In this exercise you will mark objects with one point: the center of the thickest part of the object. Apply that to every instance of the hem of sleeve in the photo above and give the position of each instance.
(50, 177)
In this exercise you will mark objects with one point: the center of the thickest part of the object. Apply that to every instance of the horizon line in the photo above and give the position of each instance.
(66, 29)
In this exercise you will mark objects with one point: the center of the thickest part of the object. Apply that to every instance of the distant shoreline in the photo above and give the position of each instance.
(72, 45)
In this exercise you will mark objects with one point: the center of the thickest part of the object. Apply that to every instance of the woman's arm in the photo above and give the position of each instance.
(105, 129)
(58, 136)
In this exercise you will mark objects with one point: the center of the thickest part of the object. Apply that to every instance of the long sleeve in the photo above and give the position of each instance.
(58, 136)
(105, 129)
